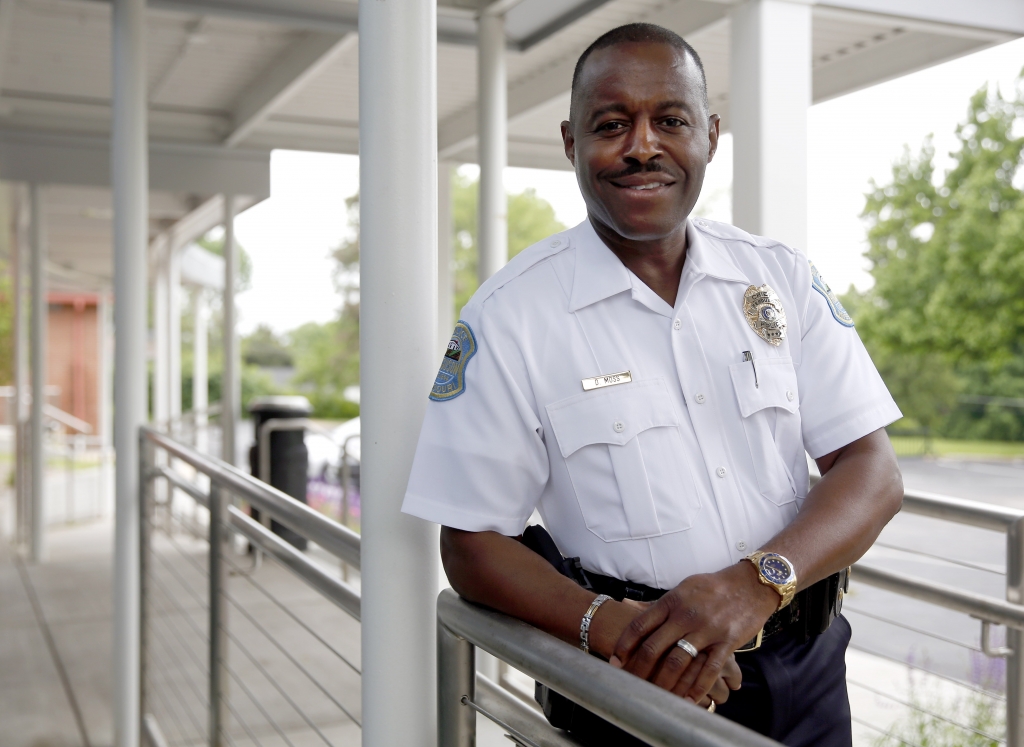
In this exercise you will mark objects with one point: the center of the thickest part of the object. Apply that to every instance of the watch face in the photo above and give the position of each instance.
(776, 569)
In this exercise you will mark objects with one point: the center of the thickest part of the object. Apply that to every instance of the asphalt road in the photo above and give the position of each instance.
(923, 635)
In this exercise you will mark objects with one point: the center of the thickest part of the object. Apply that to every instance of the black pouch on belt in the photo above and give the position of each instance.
(557, 708)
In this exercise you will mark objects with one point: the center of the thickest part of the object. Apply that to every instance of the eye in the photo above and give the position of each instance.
(611, 127)
(673, 122)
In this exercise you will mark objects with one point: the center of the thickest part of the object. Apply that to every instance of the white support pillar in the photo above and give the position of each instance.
(161, 329)
(129, 169)
(231, 382)
(445, 251)
(399, 358)
(770, 92)
(38, 322)
(200, 369)
(21, 371)
(492, 103)
(174, 333)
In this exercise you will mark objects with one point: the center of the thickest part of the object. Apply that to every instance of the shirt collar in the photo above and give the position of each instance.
(707, 257)
(599, 274)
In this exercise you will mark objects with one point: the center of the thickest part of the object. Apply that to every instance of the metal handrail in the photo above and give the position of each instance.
(644, 710)
(961, 511)
(980, 606)
(640, 708)
(336, 539)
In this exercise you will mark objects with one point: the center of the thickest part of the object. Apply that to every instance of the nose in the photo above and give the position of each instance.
(643, 144)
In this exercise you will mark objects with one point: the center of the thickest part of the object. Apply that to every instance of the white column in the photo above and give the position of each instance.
(174, 333)
(445, 268)
(37, 333)
(21, 370)
(770, 92)
(492, 97)
(161, 329)
(130, 176)
(200, 370)
(231, 382)
(398, 343)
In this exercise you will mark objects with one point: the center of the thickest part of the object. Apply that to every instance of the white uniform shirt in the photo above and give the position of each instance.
(685, 469)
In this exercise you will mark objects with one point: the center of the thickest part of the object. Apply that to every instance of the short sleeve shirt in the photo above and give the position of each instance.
(694, 459)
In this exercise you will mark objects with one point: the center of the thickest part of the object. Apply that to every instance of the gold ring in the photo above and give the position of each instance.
(711, 708)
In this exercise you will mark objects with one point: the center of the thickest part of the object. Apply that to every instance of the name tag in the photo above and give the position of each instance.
(623, 377)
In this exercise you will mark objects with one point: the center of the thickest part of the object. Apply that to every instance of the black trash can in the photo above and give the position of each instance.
(289, 459)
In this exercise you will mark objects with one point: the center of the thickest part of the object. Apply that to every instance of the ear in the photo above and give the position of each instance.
(569, 142)
(714, 124)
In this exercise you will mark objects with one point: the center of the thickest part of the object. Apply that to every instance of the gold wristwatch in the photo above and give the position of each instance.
(775, 571)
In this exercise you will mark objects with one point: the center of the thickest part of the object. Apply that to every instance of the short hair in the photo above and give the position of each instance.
(633, 33)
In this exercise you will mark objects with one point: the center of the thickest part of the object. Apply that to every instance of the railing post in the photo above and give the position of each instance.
(1014, 637)
(147, 458)
(218, 617)
(456, 679)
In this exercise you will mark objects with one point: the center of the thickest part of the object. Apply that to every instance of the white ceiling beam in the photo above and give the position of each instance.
(283, 78)
(48, 158)
(995, 15)
(458, 132)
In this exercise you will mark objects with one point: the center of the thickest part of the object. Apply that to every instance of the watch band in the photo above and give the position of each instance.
(786, 591)
(587, 618)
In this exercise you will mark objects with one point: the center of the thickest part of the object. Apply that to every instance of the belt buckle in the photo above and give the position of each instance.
(753, 644)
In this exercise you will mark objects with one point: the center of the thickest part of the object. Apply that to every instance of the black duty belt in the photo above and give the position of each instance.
(809, 614)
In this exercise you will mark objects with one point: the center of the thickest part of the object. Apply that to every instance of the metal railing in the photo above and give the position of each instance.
(647, 712)
(175, 630)
(986, 609)
(191, 667)
(653, 714)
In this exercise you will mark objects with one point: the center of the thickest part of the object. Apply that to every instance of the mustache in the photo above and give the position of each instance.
(651, 167)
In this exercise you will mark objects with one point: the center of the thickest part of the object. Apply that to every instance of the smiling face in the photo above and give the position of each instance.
(640, 139)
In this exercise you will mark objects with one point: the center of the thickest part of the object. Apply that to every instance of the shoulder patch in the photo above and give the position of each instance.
(838, 312)
(451, 378)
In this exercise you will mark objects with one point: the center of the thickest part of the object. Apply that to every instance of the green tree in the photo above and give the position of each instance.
(263, 348)
(946, 313)
(530, 219)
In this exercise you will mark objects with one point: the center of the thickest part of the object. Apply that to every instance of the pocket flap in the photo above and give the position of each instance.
(775, 385)
(611, 416)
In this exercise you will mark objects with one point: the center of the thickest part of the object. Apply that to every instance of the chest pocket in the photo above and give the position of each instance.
(771, 421)
(625, 458)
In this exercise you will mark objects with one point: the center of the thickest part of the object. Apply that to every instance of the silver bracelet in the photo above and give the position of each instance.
(587, 618)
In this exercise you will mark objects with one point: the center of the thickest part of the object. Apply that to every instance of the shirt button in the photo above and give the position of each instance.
(677, 324)
(741, 545)
(619, 426)
(555, 243)
(721, 472)
(700, 399)
(790, 395)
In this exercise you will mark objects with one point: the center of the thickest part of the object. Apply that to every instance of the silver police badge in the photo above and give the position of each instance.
(765, 315)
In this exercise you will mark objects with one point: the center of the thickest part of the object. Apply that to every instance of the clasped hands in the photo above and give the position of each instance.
(716, 613)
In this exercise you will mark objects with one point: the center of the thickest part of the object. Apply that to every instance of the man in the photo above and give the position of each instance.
(650, 385)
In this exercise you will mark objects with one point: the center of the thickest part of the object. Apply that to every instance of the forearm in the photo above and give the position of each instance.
(860, 491)
(503, 574)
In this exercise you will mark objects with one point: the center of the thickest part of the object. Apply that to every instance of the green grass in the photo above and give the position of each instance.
(915, 445)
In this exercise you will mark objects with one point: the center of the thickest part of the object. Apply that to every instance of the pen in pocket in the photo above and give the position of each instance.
(748, 357)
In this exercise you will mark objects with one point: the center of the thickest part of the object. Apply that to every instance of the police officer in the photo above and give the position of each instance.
(651, 384)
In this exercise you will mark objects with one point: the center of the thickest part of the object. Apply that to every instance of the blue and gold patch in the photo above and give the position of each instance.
(840, 314)
(451, 378)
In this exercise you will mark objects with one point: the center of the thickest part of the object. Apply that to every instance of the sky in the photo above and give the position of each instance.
(851, 140)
